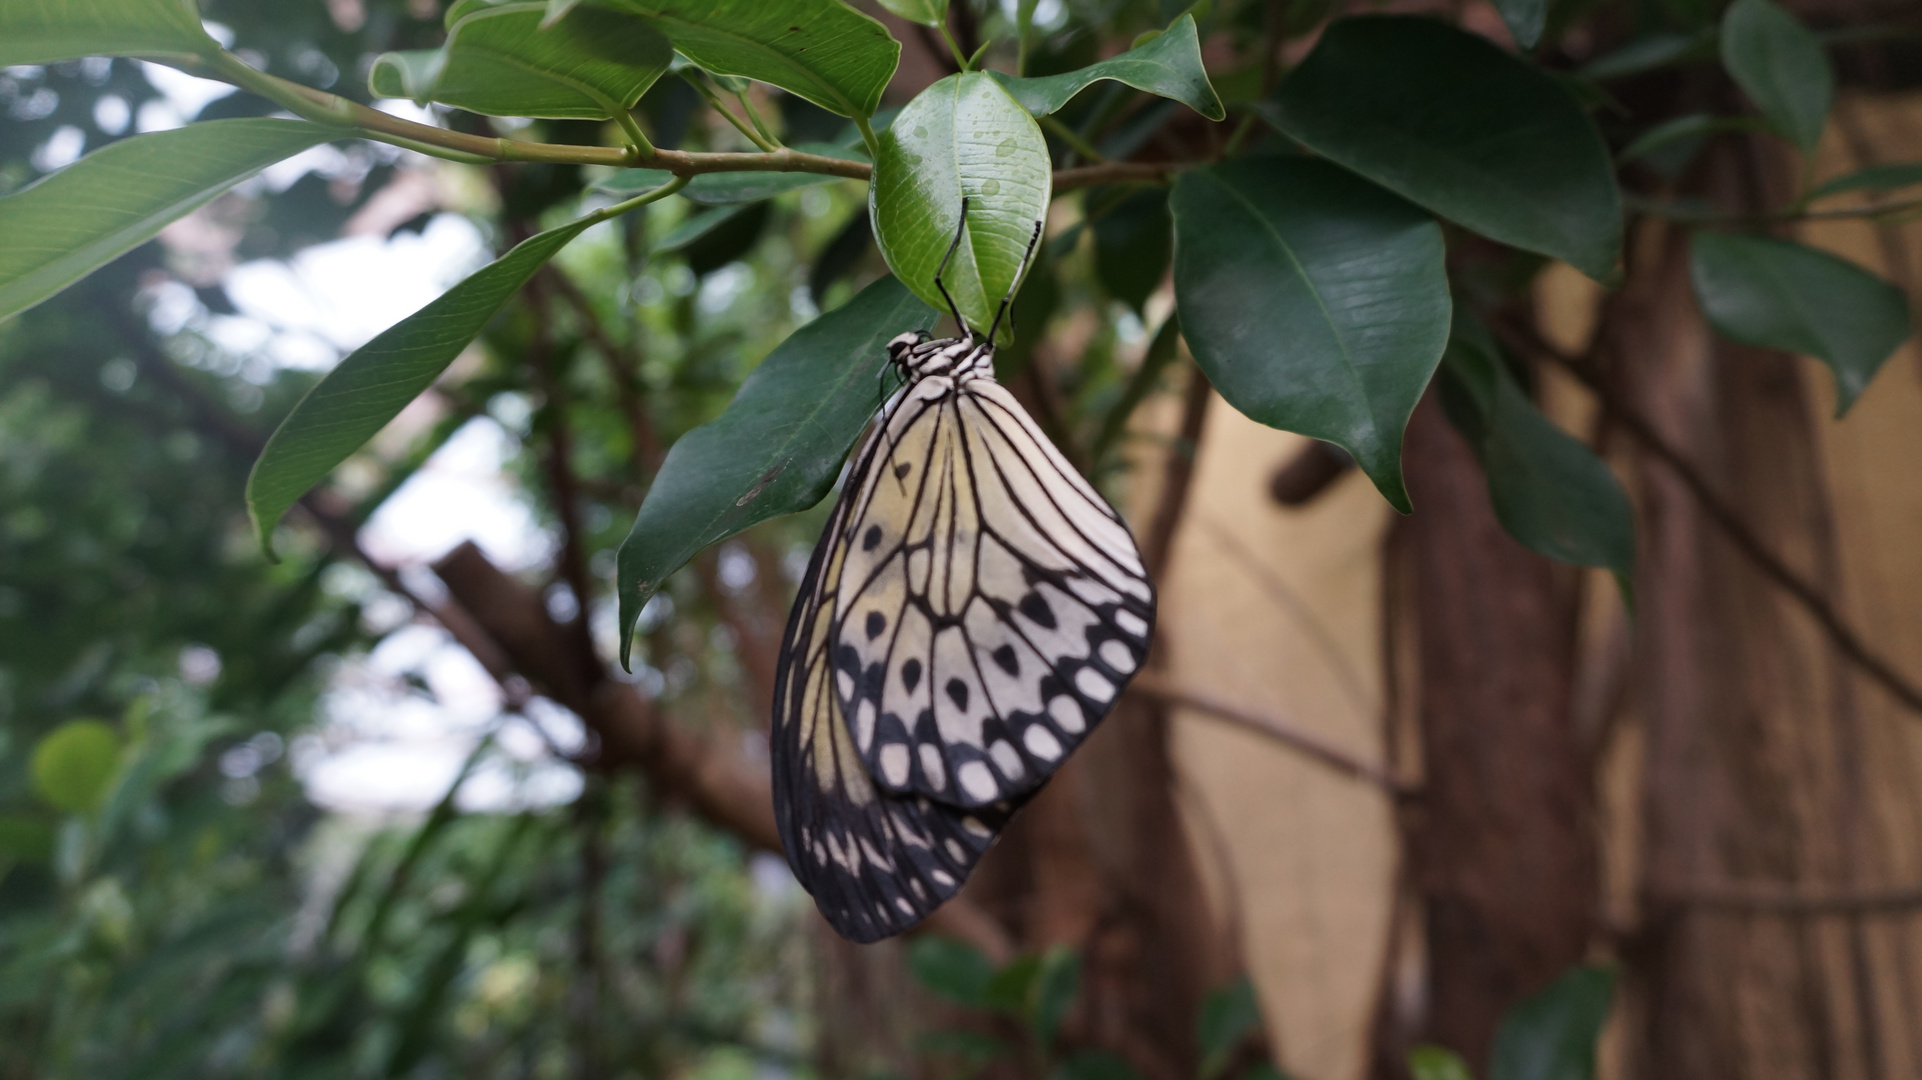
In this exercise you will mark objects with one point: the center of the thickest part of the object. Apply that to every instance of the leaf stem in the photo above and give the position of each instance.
(754, 117)
(698, 80)
(953, 45)
(867, 136)
(1072, 138)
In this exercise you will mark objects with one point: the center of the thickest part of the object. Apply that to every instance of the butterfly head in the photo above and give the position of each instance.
(919, 356)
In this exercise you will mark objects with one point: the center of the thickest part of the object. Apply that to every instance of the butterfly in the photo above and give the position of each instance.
(972, 611)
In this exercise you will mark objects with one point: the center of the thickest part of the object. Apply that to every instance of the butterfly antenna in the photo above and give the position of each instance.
(1008, 300)
(960, 327)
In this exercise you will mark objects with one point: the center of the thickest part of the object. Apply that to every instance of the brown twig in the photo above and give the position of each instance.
(1778, 898)
(1151, 685)
(1849, 643)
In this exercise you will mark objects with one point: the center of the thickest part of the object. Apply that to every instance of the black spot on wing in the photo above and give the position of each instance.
(911, 674)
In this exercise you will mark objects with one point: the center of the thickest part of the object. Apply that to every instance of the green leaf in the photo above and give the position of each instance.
(1315, 302)
(821, 50)
(56, 231)
(25, 839)
(1227, 1015)
(925, 12)
(1549, 491)
(719, 236)
(962, 137)
(1776, 294)
(723, 189)
(1657, 50)
(1692, 126)
(1873, 178)
(1169, 66)
(1551, 1035)
(500, 62)
(1095, 1065)
(951, 969)
(1055, 986)
(1133, 240)
(74, 764)
(1495, 145)
(1438, 1063)
(1525, 19)
(777, 448)
(373, 385)
(46, 31)
(1782, 68)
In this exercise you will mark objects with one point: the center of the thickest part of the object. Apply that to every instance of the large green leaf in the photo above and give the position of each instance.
(1782, 68)
(56, 231)
(1132, 243)
(722, 189)
(778, 446)
(1781, 295)
(500, 62)
(1453, 123)
(45, 31)
(370, 387)
(925, 12)
(822, 50)
(963, 137)
(1551, 1035)
(1549, 491)
(1169, 65)
(1315, 302)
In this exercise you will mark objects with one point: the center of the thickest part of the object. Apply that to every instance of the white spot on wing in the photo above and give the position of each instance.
(1067, 715)
(1117, 656)
(977, 781)
(1131, 623)
(1007, 759)
(933, 767)
(864, 723)
(894, 764)
(1041, 742)
(1092, 683)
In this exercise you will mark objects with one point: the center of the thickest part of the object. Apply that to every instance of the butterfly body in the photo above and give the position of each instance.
(971, 613)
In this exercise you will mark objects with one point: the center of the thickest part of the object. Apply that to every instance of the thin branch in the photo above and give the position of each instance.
(1774, 898)
(1849, 643)
(1280, 729)
(363, 122)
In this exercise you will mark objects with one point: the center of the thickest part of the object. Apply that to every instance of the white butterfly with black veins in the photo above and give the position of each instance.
(971, 612)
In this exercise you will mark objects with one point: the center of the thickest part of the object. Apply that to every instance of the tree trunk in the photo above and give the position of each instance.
(1503, 851)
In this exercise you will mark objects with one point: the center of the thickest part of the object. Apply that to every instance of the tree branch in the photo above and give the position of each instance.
(719, 785)
(1849, 643)
(1150, 684)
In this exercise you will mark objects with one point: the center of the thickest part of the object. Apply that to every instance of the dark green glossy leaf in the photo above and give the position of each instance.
(1694, 126)
(722, 189)
(1549, 491)
(1525, 19)
(1133, 241)
(722, 241)
(822, 50)
(376, 382)
(1438, 1063)
(842, 254)
(1168, 65)
(1657, 50)
(1873, 178)
(963, 137)
(1055, 986)
(1782, 68)
(956, 971)
(47, 31)
(1094, 1065)
(1551, 1035)
(1496, 145)
(1315, 302)
(925, 12)
(777, 448)
(1227, 1016)
(500, 62)
(1781, 295)
(74, 764)
(56, 231)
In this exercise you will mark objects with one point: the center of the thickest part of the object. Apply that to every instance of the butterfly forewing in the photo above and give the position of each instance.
(971, 613)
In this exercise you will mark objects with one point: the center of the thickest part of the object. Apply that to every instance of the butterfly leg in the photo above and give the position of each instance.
(960, 327)
(1018, 271)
